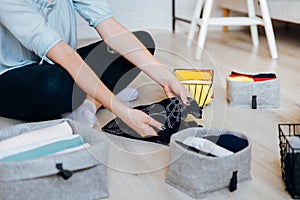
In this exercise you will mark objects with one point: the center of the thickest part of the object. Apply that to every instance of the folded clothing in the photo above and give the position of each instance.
(46, 134)
(69, 150)
(294, 143)
(193, 74)
(170, 112)
(43, 149)
(206, 146)
(198, 82)
(236, 76)
(228, 141)
(216, 146)
(240, 78)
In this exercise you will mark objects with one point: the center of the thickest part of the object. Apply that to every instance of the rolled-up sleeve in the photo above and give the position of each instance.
(93, 11)
(28, 26)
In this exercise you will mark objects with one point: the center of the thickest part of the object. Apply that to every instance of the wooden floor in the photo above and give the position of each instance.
(137, 170)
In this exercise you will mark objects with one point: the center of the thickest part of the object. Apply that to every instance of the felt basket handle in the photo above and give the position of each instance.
(254, 102)
(64, 173)
(233, 182)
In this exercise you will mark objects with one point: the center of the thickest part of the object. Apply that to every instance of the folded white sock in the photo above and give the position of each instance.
(84, 114)
(128, 94)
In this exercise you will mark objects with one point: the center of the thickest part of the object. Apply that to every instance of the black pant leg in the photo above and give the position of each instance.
(113, 69)
(35, 92)
(44, 92)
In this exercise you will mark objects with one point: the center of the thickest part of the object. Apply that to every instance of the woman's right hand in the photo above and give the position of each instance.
(141, 122)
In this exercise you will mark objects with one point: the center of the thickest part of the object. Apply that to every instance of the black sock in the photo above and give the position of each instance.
(229, 142)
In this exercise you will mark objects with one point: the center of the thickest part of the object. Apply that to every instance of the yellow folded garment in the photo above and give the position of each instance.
(185, 74)
(198, 82)
(201, 93)
(241, 79)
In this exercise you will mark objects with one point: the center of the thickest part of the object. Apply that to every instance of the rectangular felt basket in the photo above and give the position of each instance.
(262, 94)
(37, 179)
(197, 174)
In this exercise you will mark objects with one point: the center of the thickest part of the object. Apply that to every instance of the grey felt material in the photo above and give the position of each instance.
(36, 179)
(196, 174)
(240, 94)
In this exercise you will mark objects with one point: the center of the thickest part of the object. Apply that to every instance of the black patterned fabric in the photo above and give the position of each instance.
(170, 112)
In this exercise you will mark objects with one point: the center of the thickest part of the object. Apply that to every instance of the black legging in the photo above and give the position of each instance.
(43, 92)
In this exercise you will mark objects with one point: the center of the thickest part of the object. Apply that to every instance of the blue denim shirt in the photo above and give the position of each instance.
(30, 28)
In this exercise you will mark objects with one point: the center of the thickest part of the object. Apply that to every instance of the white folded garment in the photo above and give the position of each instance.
(45, 134)
(207, 146)
(294, 142)
(36, 145)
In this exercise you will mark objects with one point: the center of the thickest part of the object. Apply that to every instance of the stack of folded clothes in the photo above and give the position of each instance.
(198, 82)
(43, 142)
(294, 144)
(235, 76)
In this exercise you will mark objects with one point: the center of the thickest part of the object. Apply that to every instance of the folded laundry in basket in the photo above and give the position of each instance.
(193, 74)
(294, 143)
(44, 149)
(45, 134)
(70, 150)
(236, 76)
(228, 141)
(207, 146)
(240, 78)
(198, 82)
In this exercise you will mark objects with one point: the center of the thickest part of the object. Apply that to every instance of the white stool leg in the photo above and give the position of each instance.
(194, 22)
(203, 28)
(253, 28)
(268, 28)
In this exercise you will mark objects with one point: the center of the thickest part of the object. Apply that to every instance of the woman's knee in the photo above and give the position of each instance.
(56, 88)
(146, 39)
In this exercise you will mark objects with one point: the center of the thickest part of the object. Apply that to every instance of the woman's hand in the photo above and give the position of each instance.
(174, 88)
(171, 86)
(141, 122)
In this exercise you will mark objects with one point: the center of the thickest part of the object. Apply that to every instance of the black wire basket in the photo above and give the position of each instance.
(198, 82)
(289, 136)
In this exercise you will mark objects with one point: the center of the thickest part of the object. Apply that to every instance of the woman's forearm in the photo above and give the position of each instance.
(85, 78)
(125, 43)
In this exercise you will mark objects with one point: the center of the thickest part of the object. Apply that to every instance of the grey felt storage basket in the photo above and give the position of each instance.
(262, 94)
(37, 179)
(197, 174)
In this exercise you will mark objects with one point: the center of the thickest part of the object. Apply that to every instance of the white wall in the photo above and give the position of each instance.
(139, 14)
